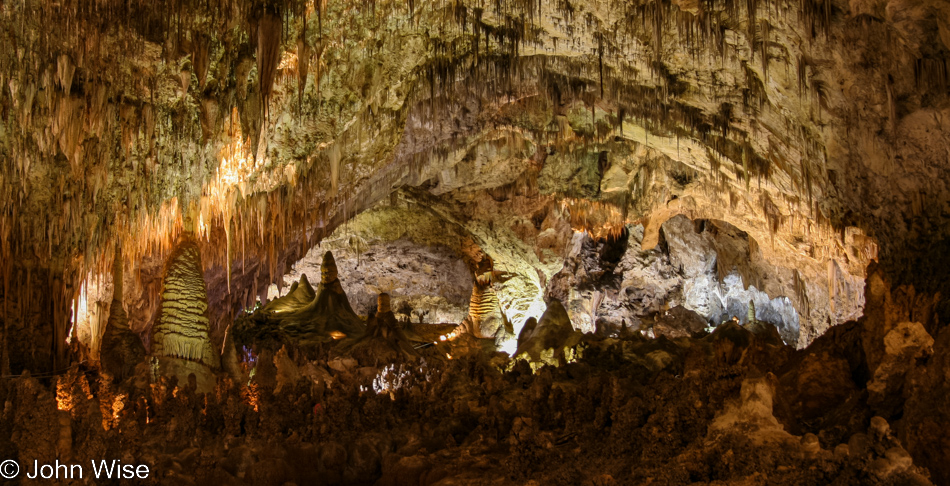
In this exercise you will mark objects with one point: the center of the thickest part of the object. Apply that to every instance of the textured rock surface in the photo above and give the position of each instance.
(708, 267)
(121, 349)
(809, 128)
(485, 319)
(386, 340)
(682, 411)
(552, 339)
(903, 346)
(925, 415)
(712, 271)
(678, 322)
(626, 158)
(305, 316)
(181, 342)
(400, 251)
(181, 330)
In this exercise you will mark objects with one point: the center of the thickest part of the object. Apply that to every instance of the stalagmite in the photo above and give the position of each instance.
(121, 349)
(181, 341)
(230, 362)
(305, 316)
(485, 318)
(527, 329)
(550, 342)
(556, 136)
(385, 341)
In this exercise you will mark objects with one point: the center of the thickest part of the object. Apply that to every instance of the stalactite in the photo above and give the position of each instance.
(334, 157)
(156, 225)
(303, 65)
(269, 32)
(931, 75)
(801, 293)
(832, 284)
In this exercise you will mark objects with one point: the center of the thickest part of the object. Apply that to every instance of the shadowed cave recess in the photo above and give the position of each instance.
(375, 242)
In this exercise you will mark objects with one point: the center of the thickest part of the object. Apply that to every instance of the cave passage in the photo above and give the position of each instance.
(568, 242)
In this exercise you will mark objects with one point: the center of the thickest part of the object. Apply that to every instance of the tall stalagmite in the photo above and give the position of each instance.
(180, 339)
(121, 348)
(485, 318)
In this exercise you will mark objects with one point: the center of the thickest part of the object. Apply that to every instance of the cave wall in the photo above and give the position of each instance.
(399, 251)
(818, 130)
(607, 285)
(29, 340)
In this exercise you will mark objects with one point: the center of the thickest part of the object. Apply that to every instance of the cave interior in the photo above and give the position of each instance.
(445, 242)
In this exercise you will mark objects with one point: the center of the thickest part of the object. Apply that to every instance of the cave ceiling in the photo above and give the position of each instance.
(819, 127)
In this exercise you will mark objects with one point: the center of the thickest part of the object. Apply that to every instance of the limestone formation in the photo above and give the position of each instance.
(230, 362)
(722, 408)
(904, 345)
(385, 341)
(305, 316)
(485, 317)
(752, 412)
(300, 295)
(405, 252)
(550, 342)
(329, 313)
(731, 342)
(387, 317)
(181, 341)
(710, 268)
(121, 349)
(527, 330)
(776, 170)
(678, 322)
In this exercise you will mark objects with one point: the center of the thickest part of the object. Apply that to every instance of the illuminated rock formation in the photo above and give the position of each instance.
(333, 315)
(745, 161)
(305, 316)
(300, 295)
(526, 331)
(181, 341)
(550, 342)
(485, 319)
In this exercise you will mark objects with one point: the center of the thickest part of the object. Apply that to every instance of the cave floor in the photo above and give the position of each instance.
(725, 408)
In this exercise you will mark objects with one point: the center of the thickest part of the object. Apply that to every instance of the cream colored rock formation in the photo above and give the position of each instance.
(305, 316)
(820, 132)
(181, 341)
(551, 341)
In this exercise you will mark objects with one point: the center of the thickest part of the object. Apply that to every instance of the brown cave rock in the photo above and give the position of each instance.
(121, 349)
(553, 242)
